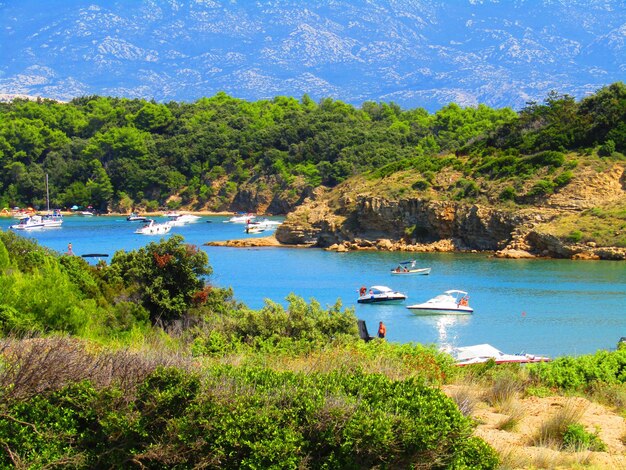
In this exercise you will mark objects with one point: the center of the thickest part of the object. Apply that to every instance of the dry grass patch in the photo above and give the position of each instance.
(514, 412)
(511, 427)
(465, 398)
(551, 431)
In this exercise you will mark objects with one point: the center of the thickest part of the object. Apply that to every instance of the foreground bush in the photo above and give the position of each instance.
(227, 417)
(580, 373)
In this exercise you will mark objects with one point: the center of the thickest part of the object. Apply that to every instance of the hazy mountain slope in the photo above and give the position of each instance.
(416, 53)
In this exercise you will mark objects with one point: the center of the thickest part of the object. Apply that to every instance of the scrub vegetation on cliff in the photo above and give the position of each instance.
(96, 371)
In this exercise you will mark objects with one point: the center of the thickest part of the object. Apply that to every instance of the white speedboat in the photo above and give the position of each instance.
(261, 225)
(451, 302)
(409, 268)
(152, 228)
(481, 353)
(29, 223)
(377, 294)
(134, 217)
(178, 220)
(240, 219)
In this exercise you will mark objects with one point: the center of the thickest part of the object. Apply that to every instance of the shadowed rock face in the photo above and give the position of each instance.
(410, 221)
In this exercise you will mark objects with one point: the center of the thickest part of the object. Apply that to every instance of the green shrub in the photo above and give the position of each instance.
(549, 158)
(421, 185)
(563, 178)
(607, 149)
(507, 194)
(575, 236)
(541, 188)
(579, 373)
(576, 438)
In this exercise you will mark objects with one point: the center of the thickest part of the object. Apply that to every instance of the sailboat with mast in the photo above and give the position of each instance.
(54, 218)
(36, 221)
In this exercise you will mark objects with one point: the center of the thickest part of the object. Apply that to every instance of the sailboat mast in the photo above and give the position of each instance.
(47, 194)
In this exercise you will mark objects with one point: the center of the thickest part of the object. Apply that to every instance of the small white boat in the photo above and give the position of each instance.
(29, 223)
(377, 294)
(409, 268)
(178, 220)
(240, 219)
(134, 217)
(261, 225)
(481, 353)
(451, 302)
(152, 228)
(54, 219)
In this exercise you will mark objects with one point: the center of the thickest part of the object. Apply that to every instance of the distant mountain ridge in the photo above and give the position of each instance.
(421, 53)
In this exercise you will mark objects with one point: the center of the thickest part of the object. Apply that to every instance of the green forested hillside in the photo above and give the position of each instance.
(118, 153)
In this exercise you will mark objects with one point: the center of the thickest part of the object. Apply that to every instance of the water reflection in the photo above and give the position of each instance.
(445, 329)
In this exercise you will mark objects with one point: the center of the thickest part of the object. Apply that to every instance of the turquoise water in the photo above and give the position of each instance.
(550, 307)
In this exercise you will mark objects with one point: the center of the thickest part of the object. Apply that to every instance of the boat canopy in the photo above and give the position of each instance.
(381, 288)
(453, 291)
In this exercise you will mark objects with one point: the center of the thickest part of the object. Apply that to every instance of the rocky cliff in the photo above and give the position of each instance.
(347, 219)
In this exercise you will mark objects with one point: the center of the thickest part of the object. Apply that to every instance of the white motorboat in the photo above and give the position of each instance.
(134, 217)
(241, 219)
(377, 294)
(261, 225)
(451, 302)
(152, 228)
(175, 219)
(54, 219)
(481, 353)
(29, 223)
(409, 268)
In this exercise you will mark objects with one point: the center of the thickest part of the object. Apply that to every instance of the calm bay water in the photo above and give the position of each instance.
(551, 307)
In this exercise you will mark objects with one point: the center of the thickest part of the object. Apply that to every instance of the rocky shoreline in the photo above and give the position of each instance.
(578, 252)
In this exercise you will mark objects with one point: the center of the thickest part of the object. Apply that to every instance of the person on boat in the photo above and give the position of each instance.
(362, 290)
(463, 302)
(382, 330)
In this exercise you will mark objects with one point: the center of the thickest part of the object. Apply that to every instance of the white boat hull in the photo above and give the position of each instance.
(154, 229)
(482, 353)
(422, 310)
(422, 271)
(381, 299)
(451, 302)
(380, 294)
(37, 222)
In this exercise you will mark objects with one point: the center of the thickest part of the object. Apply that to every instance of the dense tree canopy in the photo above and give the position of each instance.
(115, 153)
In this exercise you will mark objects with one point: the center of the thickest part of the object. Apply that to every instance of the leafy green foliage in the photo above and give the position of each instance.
(137, 142)
(243, 417)
(579, 373)
(578, 439)
(164, 275)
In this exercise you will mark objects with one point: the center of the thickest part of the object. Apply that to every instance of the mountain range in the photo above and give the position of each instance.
(416, 53)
